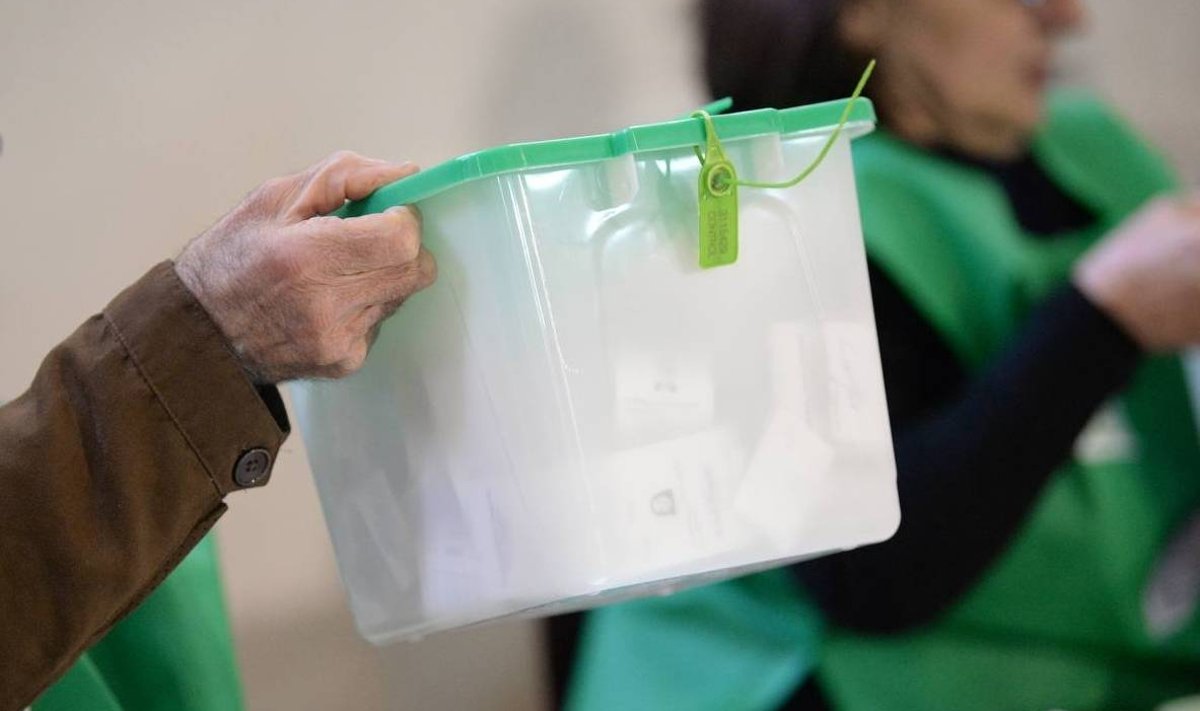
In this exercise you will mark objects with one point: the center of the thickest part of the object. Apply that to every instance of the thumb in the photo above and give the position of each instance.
(340, 177)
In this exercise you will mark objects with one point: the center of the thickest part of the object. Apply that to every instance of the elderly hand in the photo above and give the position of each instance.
(1146, 274)
(298, 293)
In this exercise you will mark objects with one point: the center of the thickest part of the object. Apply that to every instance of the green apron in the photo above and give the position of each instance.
(173, 653)
(1057, 621)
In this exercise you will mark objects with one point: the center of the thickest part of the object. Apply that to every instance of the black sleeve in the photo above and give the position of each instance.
(972, 454)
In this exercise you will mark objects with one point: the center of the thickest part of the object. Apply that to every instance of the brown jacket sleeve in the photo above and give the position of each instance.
(112, 466)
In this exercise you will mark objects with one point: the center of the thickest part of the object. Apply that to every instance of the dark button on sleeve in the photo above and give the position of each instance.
(253, 468)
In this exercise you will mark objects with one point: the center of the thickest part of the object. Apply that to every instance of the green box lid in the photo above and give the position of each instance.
(589, 149)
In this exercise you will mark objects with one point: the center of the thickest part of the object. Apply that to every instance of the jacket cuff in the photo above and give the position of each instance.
(234, 427)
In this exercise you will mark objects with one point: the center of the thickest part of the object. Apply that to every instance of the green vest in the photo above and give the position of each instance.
(1057, 621)
(173, 653)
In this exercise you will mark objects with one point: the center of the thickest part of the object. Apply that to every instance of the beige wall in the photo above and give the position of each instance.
(129, 126)
(1144, 56)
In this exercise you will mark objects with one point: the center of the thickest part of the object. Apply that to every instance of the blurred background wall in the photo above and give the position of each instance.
(130, 126)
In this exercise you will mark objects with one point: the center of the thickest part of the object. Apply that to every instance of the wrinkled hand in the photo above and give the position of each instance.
(300, 294)
(1146, 274)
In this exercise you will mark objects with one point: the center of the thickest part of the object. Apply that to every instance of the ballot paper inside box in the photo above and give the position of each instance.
(576, 412)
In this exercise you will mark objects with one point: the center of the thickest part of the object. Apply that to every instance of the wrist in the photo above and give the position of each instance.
(1110, 294)
(192, 277)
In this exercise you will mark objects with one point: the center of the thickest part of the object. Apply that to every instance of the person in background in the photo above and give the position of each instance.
(1035, 270)
(116, 462)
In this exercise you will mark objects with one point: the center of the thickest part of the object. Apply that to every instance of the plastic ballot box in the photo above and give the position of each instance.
(633, 374)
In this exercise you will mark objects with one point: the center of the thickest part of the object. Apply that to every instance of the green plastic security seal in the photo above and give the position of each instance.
(719, 183)
(681, 133)
(718, 202)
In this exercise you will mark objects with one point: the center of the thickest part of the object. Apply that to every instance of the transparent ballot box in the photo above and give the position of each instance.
(578, 412)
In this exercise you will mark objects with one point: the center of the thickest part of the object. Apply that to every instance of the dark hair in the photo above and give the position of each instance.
(776, 53)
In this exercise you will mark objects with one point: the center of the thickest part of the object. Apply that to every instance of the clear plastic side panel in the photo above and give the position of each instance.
(727, 416)
(424, 458)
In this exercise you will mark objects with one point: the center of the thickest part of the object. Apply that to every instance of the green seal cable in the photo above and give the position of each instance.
(718, 184)
(711, 133)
